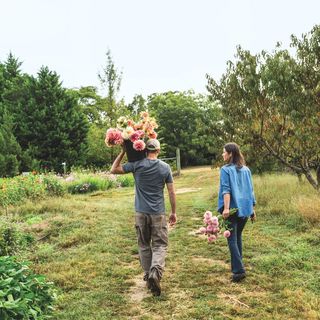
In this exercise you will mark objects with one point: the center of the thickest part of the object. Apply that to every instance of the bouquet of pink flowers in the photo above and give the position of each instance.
(136, 132)
(214, 226)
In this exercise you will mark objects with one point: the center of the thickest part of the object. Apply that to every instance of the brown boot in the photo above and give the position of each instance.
(154, 285)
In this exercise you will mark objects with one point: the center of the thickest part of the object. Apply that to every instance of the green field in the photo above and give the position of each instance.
(88, 248)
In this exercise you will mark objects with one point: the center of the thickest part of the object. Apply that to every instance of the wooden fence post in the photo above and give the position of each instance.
(178, 161)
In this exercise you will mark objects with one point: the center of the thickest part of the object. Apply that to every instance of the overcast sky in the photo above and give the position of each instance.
(159, 45)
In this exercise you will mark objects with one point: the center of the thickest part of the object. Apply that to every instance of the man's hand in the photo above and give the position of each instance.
(226, 213)
(172, 219)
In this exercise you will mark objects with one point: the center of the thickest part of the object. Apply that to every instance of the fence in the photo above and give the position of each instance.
(177, 158)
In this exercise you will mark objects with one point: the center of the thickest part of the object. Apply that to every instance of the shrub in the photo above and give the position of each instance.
(89, 183)
(126, 180)
(24, 295)
(15, 190)
(12, 240)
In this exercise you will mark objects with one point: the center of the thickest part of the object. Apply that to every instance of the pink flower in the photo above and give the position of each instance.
(227, 234)
(212, 238)
(215, 229)
(209, 228)
(113, 137)
(139, 145)
(152, 135)
(203, 230)
(214, 221)
(135, 136)
(207, 214)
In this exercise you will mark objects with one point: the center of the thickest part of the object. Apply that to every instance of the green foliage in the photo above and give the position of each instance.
(189, 122)
(85, 183)
(15, 190)
(49, 126)
(12, 240)
(98, 154)
(265, 99)
(53, 185)
(24, 295)
(126, 180)
(89, 183)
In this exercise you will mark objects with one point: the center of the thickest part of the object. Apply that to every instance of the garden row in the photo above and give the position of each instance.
(13, 191)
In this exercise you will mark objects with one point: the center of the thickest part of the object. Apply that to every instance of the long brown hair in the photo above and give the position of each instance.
(236, 155)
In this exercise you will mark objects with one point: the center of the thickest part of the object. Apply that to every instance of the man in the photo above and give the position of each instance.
(151, 175)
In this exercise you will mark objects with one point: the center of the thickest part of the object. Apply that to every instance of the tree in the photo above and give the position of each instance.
(110, 80)
(9, 147)
(186, 121)
(271, 100)
(50, 125)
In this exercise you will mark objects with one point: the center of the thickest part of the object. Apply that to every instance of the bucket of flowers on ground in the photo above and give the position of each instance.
(133, 135)
(216, 226)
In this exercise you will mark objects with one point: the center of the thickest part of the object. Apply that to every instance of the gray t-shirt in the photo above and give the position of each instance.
(150, 177)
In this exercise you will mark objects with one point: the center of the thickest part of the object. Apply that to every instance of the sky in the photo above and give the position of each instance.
(157, 45)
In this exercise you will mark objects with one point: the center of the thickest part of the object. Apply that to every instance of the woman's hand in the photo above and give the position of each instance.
(253, 216)
(226, 213)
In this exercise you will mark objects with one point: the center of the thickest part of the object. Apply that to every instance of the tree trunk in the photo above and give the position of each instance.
(311, 180)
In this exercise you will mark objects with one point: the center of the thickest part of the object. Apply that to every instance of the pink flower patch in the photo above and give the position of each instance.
(139, 145)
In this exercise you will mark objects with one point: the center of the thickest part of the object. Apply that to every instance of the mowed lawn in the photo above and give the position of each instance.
(88, 248)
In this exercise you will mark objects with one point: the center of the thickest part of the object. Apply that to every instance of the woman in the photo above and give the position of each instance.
(236, 191)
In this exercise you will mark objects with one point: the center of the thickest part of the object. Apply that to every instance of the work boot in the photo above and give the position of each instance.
(146, 278)
(154, 285)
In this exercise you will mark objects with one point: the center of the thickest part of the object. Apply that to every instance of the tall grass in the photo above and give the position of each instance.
(284, 197)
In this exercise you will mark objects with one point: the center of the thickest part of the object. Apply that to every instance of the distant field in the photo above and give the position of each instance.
(89, 250)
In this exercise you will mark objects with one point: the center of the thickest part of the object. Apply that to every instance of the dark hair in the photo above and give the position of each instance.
(236, 156)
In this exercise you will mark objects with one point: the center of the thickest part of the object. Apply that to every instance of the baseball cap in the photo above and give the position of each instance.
(153, 144)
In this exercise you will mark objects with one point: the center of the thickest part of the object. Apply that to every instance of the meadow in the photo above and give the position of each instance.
(86, 245)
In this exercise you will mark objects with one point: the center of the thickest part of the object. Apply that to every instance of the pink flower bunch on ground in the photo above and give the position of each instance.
(136, 132)
(214, 226)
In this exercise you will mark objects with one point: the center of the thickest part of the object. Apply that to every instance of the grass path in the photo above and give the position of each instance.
(89, 250)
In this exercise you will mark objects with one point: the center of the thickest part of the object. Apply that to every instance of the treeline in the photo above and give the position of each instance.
(269, 103)
(43, 124)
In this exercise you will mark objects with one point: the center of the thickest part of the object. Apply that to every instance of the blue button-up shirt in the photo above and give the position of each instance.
(238, 183)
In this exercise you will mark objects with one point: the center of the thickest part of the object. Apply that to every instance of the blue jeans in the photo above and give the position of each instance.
(235, 243)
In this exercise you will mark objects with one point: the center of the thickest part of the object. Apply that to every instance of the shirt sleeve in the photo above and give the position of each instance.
(128, 167)
(225, 182)
(169, 178)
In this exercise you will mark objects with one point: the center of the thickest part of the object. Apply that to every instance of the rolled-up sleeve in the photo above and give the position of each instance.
(128, 167)
(225, 182)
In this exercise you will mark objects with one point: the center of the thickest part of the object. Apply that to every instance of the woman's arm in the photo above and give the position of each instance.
(226, 205)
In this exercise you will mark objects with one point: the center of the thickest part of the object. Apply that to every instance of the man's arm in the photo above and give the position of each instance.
(172, 197)
(116, 166)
